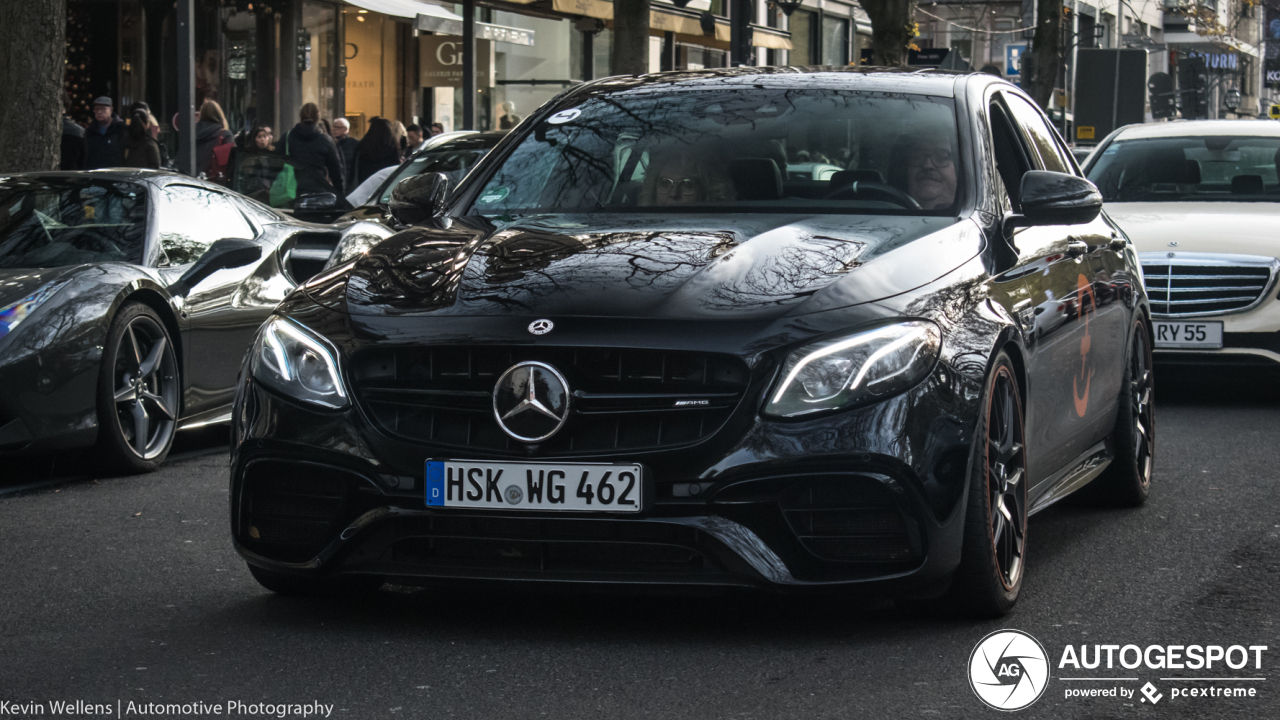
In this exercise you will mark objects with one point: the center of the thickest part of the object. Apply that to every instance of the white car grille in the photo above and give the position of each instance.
(1199, 284)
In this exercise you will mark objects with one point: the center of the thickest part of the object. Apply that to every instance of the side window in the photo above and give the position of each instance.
(192, 219)
(1011, 155)
(1042, 137)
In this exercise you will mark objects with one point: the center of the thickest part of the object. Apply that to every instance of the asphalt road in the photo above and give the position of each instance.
(128, 589)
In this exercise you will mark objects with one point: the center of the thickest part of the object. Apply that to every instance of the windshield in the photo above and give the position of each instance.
(451, 159)
(1214, 168)
(51, 222)
(735, 150)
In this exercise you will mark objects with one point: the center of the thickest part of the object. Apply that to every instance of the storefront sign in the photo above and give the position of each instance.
(502, 33)
(1013, 59)
(1218, 61)
(484, 31)
(440, 61)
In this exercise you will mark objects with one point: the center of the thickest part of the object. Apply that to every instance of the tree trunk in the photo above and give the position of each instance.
(892, 30)
(32, 51)
(630, 37)
(1047, 47)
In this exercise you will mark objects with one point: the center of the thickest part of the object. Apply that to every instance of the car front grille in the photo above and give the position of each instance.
(550, 546)
(621, 399)
(1205, 284)
(290, 511)
(853, 518)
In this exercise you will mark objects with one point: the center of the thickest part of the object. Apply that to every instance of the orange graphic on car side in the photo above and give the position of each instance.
(1086, 372)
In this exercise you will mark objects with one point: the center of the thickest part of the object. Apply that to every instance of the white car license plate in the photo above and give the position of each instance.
(1187, 334)
(534, 486)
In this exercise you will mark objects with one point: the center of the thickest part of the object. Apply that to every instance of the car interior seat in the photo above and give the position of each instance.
(756, 178)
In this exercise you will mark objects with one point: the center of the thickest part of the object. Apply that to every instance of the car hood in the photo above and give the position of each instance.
(1209, 227)
(19, 284)
(642, 266)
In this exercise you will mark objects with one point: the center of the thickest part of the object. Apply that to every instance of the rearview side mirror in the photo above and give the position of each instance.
(223, 254)
(419, 198)
(1054, 198)
(316, 201)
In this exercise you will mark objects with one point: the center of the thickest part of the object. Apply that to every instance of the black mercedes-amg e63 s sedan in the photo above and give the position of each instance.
(773, 328)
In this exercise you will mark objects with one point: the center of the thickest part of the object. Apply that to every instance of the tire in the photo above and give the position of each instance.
(347, 586)
(992, 562)
(1127, 481)
(139, 392)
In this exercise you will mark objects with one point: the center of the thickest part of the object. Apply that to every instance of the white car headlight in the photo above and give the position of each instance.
(855, 370)
(290, 359)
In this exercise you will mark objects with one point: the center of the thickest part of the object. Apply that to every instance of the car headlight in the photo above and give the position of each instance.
(291, 360)
(855, 370)
(351, 246)
(14, 313)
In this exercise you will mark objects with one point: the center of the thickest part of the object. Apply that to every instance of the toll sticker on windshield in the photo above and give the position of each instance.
(492, 196)
(564, 116)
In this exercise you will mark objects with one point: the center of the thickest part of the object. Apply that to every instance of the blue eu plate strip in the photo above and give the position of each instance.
(435, 483)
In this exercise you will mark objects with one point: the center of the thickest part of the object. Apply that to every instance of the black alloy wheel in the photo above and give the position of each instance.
(1127, 482)
(138, 392)
(989, 578)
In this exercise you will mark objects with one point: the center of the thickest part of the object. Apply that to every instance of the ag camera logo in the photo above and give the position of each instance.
(1009, 670)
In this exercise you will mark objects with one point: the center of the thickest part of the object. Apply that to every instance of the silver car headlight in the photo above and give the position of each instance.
(293, 361)
(855, 370)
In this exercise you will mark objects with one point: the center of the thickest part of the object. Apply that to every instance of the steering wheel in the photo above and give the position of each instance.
(860, 189)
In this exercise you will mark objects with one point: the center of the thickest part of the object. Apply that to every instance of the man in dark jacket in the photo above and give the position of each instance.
(73, 149)
(346, 145)
(104, 140)
(314, 155)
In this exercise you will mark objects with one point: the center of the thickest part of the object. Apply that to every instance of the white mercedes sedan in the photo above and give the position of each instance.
(1200, 200)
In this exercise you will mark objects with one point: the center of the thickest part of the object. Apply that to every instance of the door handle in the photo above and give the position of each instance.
(1118, 243)
(1077, 248)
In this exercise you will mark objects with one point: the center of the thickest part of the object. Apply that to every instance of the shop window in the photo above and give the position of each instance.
(320, 71)
(801, 25)
(835, 41)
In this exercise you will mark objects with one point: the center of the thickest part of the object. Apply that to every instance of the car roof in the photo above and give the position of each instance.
(923, 81)
(1199, 128)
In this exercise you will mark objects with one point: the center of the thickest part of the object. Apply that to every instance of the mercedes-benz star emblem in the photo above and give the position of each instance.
(531, 401)
(541, 327)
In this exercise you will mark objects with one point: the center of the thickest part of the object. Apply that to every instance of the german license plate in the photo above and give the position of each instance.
(534, 486)
(1187, 334)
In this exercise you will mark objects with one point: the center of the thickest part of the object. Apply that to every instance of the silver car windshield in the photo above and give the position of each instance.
(1214, 168)
(52, 222)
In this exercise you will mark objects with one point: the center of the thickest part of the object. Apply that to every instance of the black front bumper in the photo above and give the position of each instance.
(870, 498)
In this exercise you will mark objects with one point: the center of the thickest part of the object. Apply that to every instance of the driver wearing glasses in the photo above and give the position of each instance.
(931, 171)
(677, 180)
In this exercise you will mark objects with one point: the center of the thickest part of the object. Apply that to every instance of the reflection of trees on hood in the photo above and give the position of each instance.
(969, 334)
(799, 270)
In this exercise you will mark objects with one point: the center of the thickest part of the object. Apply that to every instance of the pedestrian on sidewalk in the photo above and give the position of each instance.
(415, 140)
(142, 150)
(73, 147)
(376, 150)
(346, 147)
(401, 137)
(312, 150)
(213, 142)
(104, 140)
